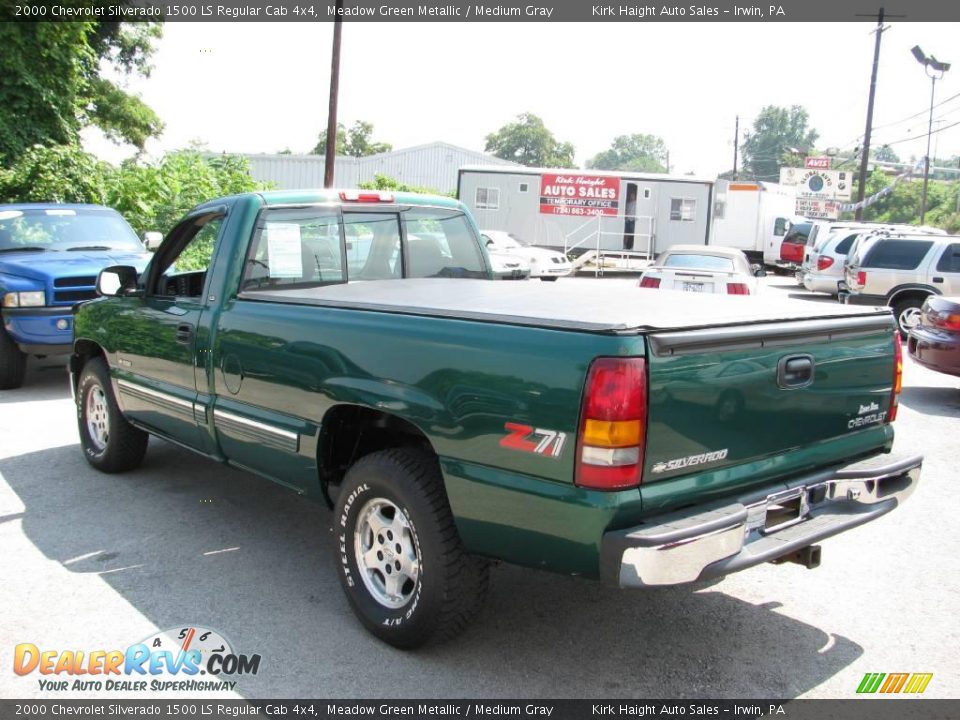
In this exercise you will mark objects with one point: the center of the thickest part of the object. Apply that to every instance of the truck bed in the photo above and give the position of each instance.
(593, 307)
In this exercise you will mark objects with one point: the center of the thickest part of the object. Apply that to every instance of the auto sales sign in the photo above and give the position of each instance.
(583, 195)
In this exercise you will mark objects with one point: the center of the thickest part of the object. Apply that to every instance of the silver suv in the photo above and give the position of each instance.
(901, 272)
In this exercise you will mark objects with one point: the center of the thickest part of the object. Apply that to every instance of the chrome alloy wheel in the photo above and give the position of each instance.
(385, 544)
(909, 318)
(98, 421)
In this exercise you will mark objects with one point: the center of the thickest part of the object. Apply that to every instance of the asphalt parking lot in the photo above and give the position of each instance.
(90, 561)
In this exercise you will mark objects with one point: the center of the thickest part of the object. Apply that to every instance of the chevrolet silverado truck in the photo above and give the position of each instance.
(351, 347)
(50, 255)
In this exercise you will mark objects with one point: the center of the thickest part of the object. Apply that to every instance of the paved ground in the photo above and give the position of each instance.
(89, 561)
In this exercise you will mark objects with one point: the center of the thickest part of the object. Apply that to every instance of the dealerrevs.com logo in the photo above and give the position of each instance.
(183, 659)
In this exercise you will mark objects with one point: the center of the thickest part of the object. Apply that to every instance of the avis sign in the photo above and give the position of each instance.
(583, 195)
(817, 163)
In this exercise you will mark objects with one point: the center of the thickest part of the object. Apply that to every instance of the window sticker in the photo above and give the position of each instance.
(283, 250)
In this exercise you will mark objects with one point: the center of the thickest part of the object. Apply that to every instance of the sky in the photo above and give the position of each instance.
(263, 87)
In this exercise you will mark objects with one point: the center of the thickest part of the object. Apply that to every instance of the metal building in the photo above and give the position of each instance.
(586, 210)
(433, 165)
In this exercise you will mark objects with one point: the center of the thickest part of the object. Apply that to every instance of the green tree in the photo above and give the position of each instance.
(355, 142)
(885, 153)
(55, 81)
(530, 143)
(385, 182)
(642, 153)
(59, 173)
(775, 131)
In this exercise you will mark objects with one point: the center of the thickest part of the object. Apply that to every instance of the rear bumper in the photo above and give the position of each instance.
(815, 282)
(715, 540)
(938, 351)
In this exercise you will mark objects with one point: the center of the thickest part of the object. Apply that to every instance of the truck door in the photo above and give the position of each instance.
(158, 358)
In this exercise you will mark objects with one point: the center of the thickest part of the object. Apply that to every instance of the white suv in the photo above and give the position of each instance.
(901, 272)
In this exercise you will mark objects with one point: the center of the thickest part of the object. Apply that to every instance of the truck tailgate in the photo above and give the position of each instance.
(727, 396)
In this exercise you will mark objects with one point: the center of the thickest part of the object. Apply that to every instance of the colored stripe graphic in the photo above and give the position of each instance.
(870, 682)
(894, 683)
(918, 683)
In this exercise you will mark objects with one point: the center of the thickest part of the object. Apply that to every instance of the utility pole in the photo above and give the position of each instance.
(331, 149)
(736, 139)
(865, 150)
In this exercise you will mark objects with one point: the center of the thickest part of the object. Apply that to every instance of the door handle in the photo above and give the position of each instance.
(795, 371)
(184, 333)
(938, 279)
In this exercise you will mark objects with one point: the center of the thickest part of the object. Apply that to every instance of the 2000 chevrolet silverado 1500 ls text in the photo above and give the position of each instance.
(349, 346)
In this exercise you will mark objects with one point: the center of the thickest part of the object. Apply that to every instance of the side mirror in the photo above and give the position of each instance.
(758, 271)
(116, 280)
(152, 239)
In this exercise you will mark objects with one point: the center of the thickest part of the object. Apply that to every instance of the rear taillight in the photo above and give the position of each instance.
(737, 289)
(947, 321)
(359, 196)
(861, 278)
(650, 282)
(824, 262)
(897, 377)
(613, 424)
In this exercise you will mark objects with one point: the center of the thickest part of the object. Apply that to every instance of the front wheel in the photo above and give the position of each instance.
(401, 562)
(908, 313)
(109, 442)
(13, 363)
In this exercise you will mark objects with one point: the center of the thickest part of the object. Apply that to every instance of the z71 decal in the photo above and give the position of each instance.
(527, 438)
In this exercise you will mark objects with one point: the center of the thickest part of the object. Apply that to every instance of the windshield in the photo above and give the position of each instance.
(65, 229)
(700, 262)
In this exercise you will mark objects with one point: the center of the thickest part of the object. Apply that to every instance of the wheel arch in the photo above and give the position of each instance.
(83, 352)
(913, 289)
(349, 432)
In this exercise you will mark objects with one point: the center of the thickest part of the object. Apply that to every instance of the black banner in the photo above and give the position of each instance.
(502, 11)
(874, 709)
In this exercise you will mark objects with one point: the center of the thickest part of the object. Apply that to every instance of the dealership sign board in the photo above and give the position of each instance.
(817, 163)
(584, 195)
(818, 209)
(818, 184)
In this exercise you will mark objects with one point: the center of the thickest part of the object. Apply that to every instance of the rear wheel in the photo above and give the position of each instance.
(907, 312)
(13, 363)
(401, 562)
(109, 442)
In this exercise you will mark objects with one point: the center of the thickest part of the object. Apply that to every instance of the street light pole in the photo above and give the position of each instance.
(935, 70)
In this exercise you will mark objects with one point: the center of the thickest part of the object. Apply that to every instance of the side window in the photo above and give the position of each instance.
(440, 243)
(295, 246)
(683, 209)
(843, 247)
(897, 254)
(780, 227)
(950, 260)
(487, 198)
(182, 269)
(373, 246)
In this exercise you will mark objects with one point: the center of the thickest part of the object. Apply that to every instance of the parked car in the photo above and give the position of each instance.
(507, 266)
(794, 244)
(901, 272)
(828, 247)
(934, 341)
(544, 264)
(50, 255)
(704, 269)
(451, 422)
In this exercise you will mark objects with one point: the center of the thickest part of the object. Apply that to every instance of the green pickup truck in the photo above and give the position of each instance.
(352, 347)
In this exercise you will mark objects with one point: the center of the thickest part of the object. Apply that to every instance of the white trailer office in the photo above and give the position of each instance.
(581, 210)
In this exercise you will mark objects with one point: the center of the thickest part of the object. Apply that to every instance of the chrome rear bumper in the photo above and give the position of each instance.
(711, 541)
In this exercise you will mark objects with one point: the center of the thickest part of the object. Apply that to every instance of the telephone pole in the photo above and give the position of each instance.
(736, 139)
(865, 149)
(331, 150)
